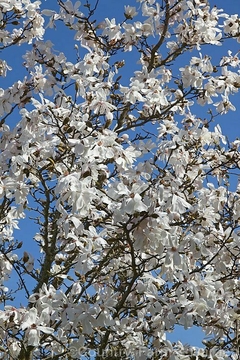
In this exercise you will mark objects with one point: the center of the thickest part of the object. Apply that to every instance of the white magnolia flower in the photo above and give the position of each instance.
(130, 11)
(34, 325)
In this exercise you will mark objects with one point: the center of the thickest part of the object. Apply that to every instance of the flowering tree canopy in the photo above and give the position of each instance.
(119, 164)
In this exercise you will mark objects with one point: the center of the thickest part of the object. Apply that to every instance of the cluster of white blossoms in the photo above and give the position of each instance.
(132, 194)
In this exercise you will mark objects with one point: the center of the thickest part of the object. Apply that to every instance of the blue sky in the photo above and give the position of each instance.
(110, 9)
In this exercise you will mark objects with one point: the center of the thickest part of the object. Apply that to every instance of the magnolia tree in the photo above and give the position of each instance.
(130, 190)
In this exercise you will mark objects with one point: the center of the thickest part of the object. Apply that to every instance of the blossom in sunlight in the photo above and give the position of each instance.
(130, 11)
(33, 324)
